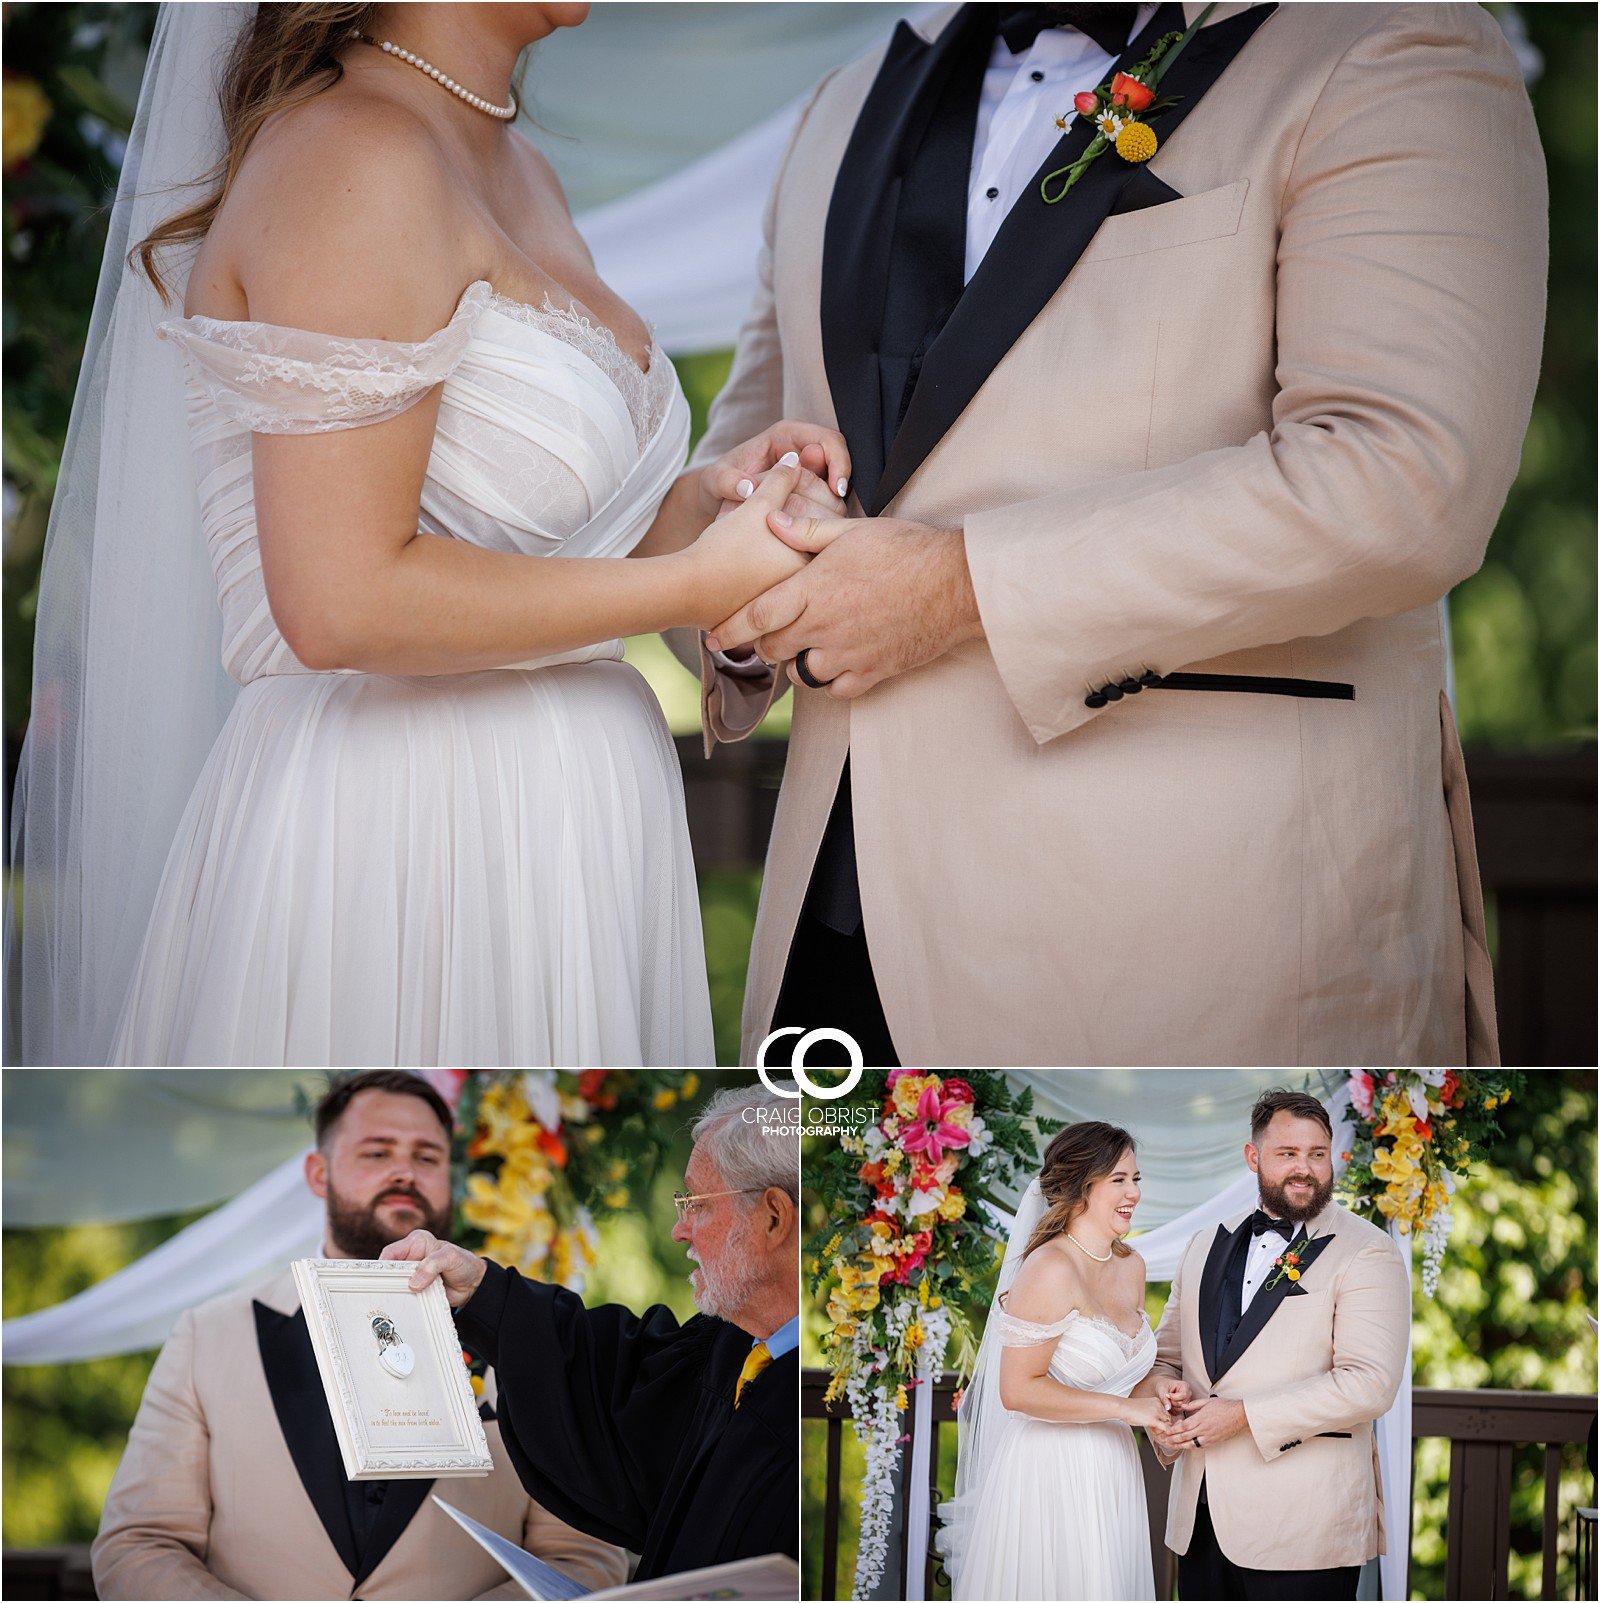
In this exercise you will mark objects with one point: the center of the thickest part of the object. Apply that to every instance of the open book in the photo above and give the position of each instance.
(773, 1579)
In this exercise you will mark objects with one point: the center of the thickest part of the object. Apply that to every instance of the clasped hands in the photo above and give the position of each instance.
(874, 597)
(1177, 1421)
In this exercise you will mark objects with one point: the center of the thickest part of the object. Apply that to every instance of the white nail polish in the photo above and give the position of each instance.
(844, 484)
(789, 459)
(745, 488)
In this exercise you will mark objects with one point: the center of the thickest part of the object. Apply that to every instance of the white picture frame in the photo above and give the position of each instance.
(414, 1417)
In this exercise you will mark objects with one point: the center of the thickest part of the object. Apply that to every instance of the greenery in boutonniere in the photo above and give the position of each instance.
(1116, 109)
(1288, 1262)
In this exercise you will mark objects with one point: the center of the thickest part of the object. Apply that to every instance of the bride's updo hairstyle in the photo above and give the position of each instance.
(289, 53)
(1074, 1160)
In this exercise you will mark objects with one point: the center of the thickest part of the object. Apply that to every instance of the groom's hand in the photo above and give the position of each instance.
(1211, 1420)
(881, 596)
(460, 1270)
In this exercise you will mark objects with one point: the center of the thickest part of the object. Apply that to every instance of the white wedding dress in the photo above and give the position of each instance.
(1060, 1511)
(472, 869)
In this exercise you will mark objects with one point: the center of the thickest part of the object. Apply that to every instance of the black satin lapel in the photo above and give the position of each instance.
(1038, 245)
(1211, 1292)
(856, 237)
(1265, 1303)
(302, 1410)
(401, 1500)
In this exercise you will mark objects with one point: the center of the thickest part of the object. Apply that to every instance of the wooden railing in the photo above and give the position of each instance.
(1482, 1427)
(1534, 816)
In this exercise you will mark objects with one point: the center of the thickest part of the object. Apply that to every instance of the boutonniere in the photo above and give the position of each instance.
(1116, 109)
(1288, 1262)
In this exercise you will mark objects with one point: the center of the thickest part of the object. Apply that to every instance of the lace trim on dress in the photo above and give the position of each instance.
(1014, 1332)
(642, 392)
(275, 380)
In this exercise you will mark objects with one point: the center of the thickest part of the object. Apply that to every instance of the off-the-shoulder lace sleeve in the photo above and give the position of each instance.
(1014, 1332)
(274, 380)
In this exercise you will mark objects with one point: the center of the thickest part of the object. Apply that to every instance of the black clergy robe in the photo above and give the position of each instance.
(624, 1425)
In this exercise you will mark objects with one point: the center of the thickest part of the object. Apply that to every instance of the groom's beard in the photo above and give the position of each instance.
(356, 1229)
(723, 1290)
(1278, 1199)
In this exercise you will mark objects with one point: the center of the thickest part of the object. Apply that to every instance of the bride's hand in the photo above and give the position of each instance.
(1173, 1392)
(822, 454)
(738, 556)
(1148, 1413)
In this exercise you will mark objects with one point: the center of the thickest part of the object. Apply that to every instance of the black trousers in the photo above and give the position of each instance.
(828, 983)
(1204, 1573)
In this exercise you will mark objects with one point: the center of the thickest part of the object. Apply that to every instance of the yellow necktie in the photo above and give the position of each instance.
(753, 1365)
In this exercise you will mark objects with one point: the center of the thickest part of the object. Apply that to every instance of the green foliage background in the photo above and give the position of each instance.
(65, 1425)
(1518, 1281)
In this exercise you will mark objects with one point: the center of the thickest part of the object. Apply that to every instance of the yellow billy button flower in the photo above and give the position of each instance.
(1136, 142)
(1293, 1274)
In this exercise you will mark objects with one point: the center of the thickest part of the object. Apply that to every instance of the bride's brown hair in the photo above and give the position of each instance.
(1074, 1160)
(289, 53)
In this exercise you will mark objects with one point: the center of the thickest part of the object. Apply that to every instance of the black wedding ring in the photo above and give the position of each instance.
(806, 676)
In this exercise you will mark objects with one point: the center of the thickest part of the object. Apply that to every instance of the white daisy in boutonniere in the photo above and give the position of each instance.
(1121, 111)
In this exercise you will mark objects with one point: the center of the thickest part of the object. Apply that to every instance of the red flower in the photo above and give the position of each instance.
(553, 1147)
(1129, 92)
(958, 1090)
(1424, 1129)
(872, 1173)
(1085, 103)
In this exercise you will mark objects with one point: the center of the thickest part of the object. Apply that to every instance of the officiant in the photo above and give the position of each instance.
(677, 1441)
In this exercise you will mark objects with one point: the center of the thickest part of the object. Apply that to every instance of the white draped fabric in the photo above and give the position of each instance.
(274, 1221)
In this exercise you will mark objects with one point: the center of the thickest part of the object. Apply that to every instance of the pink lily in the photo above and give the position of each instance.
(927, 1131)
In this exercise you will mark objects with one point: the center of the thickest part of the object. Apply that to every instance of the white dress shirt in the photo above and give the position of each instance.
(1022, 97)
(1259, 1257)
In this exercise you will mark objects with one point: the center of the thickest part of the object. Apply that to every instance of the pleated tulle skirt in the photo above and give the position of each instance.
(1061, 1514)
(469, 870)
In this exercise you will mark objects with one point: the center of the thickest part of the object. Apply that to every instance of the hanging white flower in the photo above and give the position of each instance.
(544, 1101)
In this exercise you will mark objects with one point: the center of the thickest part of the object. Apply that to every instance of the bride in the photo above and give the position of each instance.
(1049, 1499)
(439, 819)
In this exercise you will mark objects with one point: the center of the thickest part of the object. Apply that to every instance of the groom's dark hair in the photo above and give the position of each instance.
(1296, 1103)
(401, 1081)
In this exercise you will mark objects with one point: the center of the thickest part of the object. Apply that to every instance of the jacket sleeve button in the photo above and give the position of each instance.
(1112, 692)
(1094, 699)
(1132, 687)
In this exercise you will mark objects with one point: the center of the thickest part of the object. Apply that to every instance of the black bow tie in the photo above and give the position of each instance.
(1261, 1223)
(1108, 26)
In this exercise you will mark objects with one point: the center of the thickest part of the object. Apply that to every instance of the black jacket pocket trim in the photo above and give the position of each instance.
(1141, 190)
(1256, 684)
(1343, 1435)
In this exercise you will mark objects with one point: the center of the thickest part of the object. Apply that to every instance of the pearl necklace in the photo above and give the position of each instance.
(477, 102)
(1081, 1248)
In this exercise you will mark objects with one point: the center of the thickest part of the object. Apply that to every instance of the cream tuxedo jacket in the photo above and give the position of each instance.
(208, 1501)
(1315, 1363)
(1258, 429)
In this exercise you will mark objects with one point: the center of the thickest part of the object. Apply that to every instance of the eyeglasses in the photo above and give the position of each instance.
(684, 1201)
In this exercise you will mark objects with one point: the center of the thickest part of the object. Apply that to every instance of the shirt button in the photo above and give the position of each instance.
(993, 194)
(1038, 77)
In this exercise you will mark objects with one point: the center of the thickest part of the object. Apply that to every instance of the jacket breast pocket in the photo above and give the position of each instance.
(1212, 214)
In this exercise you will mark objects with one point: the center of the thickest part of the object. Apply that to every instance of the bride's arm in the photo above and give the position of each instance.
(351, 234)
(1045, 1291)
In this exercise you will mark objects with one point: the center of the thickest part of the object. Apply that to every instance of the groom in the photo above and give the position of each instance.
(1289, 1360)
(1222, 428)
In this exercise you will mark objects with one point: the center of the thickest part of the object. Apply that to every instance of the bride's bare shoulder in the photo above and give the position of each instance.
(341, 219)
(1046, 1288)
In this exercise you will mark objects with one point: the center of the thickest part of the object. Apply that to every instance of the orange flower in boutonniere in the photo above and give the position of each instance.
(1288, 1263)
(1116, 109)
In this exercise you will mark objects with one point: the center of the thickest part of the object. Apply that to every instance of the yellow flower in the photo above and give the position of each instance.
(1136, 142)
(934, 1302)
(901, 1400)
(617, 1198)
(691, 1084)
(616, 1170)
(915, 1335)
(1505, 1096)
(833, 1246)
(953, 1207)
(27, 112)
(907, 1090)
(477, 1385)
(835, 1388)
(892, 1163)
(664, 1098)
(1293, 1274)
